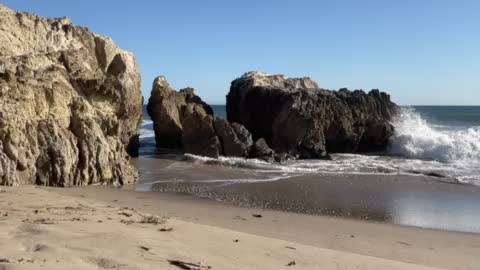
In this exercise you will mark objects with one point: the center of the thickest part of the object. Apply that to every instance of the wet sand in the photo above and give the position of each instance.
(397, 199)
(411, 245)
(41, 229)
(333, 216)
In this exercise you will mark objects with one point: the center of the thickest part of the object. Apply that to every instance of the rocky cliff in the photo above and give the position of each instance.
(70, 103)
(297, 117)
(183, 121)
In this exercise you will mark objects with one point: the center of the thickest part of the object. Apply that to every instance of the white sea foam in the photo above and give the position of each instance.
(416, 138)
(418, 147)
(146, 131)
(256, 164)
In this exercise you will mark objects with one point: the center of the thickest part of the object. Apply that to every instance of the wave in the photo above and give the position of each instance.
(243, 163)
(418, 147)
(416, 138)
(146, 131)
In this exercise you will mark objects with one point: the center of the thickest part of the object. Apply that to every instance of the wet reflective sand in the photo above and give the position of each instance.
(398, 199)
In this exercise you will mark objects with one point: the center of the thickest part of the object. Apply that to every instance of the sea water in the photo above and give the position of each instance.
(442, 141)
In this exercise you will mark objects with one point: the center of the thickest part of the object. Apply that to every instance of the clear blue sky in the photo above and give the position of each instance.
(420, 51)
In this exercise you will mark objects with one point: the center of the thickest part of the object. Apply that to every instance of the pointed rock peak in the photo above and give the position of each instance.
(161, 82)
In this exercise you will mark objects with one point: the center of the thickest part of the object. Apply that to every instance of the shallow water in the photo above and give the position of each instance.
(398, 199)
(393, 187)
(442, 141)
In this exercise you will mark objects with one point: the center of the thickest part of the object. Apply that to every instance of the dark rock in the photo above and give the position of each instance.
(199, 136)
(261, 151)
(235, 138)
(133, 146)
(182, 120)
(243, 134)
(297, 117)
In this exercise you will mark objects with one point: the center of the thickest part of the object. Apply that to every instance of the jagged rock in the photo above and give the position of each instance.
(199, 136)
(70, 104)
(235, 139)
(261, 150)
(243, 135)
(295, 116)
(181, 120)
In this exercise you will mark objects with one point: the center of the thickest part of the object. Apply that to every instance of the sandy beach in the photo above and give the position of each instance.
(197, 135)
(107, 228)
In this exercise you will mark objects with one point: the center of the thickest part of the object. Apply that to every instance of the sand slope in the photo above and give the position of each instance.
(40, 229)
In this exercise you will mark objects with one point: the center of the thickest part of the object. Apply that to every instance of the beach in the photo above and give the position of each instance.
(326, 163)
(107, 228)
(194, 212)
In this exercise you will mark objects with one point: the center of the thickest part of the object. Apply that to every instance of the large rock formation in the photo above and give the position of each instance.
(295, 116)
(183, 121)
(70, 104)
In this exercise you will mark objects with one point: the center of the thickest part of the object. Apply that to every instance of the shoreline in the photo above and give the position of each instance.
(419, 201)
(42, 229)
(435, 248)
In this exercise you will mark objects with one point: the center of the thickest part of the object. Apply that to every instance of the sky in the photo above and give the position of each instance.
(422, 52)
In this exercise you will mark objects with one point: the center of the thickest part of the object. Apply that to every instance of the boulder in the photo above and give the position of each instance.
(260, 150)
(297, 117)
(181, 120)
(70, 104)
(235, 139)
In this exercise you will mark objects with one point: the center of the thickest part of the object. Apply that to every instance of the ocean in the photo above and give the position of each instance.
(428, 177)
(442, 141)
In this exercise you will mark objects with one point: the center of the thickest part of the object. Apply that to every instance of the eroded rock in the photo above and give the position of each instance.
(183, 121)
(70, 103)
(235, 139)
(297, 117)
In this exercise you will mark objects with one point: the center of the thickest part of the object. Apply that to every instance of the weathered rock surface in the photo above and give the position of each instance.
(261, 150)
(70, 104)
(183, 121)
(235, 139)
(296, 116)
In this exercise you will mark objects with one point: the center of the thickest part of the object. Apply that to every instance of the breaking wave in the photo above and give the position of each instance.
(416, 138)
(418, 147)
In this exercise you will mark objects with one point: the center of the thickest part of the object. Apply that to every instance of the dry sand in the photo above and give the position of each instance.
(43, 229)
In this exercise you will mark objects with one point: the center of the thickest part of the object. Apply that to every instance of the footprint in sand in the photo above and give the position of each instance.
(104, 263)
(29, 231)
(38, 248)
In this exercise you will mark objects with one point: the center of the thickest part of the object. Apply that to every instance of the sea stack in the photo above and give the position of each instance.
(70, 104)
(297, 117)
(182, 121)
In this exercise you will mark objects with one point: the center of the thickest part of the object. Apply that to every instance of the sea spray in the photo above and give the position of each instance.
(419, 147)
(416, 138)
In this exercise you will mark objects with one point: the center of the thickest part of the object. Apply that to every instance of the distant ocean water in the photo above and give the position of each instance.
(220, 111)
(434, 140)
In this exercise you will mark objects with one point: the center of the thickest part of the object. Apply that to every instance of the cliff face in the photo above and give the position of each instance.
(70, 103)
(295, 116)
